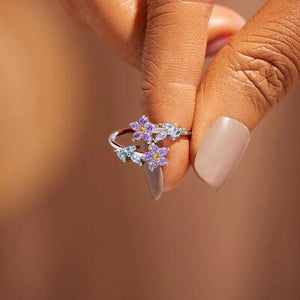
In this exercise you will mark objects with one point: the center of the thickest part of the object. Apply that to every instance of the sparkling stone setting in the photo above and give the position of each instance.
(143, 129)
(150, 133)
(169, 130)
(156, 157)
(128, 153)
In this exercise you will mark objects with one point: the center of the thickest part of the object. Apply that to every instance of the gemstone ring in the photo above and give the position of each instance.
(150, 133)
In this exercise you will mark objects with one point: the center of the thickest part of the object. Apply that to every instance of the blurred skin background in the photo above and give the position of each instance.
(77, 224)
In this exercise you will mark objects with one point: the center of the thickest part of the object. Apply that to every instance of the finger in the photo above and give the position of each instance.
(172, 58)
(119, 23)
(73, 11)
(122, 26)
(222, 26)
(247, 79)
(124, 31)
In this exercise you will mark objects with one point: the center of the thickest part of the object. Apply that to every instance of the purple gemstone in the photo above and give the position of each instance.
(143, 120)
(149, 127)
(147, 137)
(148, 156)
(153, 148)
(153, 165)
(163, 161)
(134, 125)
(137, 136)
(163, 151)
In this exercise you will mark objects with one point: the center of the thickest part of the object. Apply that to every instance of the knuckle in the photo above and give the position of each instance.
(265, 68)
(160, 7)
(161, 14)
(150, 73)
(148, 88)
(159, 87)
(151, 80)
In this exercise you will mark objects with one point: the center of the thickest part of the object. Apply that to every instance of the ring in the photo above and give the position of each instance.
(150, 133)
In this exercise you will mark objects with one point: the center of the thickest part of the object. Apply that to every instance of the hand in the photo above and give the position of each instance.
(247, 78)
(167, 40)
(121, 24)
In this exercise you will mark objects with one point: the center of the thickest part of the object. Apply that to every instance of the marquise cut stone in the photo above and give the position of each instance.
(136, 159)
(161, 136)
(129, 149)
(169, 127)
(121, 155)
(176, 133)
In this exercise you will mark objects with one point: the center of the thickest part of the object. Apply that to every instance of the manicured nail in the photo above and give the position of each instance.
(216, 45)
(221, 151)
(155, 181)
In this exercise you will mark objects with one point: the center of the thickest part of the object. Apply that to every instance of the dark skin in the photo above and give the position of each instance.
(128, 26)
(41, 139)
(263, 68)
(258, 68)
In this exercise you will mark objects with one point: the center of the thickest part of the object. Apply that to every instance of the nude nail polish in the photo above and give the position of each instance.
(221, 151)
(155, 181)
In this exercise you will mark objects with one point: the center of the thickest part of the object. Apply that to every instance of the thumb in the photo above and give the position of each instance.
(247, 79)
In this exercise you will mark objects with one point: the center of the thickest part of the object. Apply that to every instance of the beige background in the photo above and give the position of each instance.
(90, 229)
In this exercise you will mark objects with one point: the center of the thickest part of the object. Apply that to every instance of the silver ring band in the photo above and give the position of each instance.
(117, 147)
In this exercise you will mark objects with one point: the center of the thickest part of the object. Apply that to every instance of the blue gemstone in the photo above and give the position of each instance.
(129, 149)
(161, 136)
(176, 133)
(169, 127)
(136, 159)
(122, 156)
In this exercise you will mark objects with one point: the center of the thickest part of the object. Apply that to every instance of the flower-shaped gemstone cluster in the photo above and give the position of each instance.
(151, 133)
(156, 157)
(143, 129)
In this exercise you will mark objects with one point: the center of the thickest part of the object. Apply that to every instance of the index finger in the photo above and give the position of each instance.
(172, 59)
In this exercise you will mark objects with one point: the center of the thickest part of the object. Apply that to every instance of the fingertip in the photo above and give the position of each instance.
(216, 45)
(224, 22)
(172, 180)
(178, 165)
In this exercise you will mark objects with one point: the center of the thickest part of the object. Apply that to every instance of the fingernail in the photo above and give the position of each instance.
(216, 45)
(155, 181)
(221, 151)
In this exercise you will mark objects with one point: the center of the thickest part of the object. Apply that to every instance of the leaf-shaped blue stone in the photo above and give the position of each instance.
(129, 149)
(136, 159)
(169, 127)
(161, 136)
(176, 133)
(121, 155)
